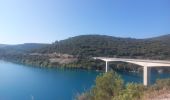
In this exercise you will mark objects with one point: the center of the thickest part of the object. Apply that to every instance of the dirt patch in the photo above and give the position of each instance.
(63, 60)
(158, 95)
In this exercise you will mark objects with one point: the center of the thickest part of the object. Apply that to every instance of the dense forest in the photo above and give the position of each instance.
(84, 47)
(101, 45)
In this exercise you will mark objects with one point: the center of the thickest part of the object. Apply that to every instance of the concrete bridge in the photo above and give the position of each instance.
(147, 65)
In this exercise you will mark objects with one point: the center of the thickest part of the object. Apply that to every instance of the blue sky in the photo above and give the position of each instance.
(46, 21)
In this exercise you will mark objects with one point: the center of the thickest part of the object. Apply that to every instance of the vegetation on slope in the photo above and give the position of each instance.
(21, 48)
(109, 86)
(84, 47)
(101, 45)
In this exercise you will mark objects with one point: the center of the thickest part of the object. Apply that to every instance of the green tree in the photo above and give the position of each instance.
(107, 86)
(131, 92)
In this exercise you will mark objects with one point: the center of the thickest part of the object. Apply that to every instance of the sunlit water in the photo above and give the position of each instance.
(19, 82)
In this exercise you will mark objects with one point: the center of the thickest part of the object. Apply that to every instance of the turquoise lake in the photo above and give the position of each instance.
(20, 82)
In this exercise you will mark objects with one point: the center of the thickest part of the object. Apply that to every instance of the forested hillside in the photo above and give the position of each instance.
(101, 45)
(77, 52)
(20, 48)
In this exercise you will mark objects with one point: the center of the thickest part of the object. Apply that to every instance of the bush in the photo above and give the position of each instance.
(107, 86)
(162, 84)
(131, 92)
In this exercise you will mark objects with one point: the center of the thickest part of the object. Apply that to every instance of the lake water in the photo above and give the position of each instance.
(19, 82)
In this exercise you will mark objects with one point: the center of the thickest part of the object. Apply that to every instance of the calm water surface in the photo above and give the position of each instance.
(19, 82)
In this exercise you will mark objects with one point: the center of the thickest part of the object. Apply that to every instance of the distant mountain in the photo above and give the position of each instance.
(21, 48)
(102, 45)
(164, 38)
(3, 45)
(28, 46)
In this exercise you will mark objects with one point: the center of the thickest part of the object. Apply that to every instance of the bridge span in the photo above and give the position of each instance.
(147, 65)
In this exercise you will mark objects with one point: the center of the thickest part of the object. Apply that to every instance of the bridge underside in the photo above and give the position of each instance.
(147, 65)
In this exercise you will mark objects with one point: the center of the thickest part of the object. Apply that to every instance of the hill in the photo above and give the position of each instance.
(76, 52)
(162, 38)
(102, 45)
(21, 48)
(3, 45)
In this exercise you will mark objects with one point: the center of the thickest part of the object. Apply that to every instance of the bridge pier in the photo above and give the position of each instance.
(107, 66)
(146, 75)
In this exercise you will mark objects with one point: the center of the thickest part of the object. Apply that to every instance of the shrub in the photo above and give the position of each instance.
(107, 86)
(131, 92)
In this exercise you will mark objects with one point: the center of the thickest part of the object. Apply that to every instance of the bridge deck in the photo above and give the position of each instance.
(163, 62)
(147, 64)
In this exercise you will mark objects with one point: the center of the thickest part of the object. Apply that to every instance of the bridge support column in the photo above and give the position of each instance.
(107, 66)
(146, 75)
